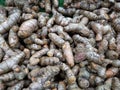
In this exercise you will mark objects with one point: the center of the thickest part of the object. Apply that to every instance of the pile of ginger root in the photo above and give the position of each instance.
(48, 46)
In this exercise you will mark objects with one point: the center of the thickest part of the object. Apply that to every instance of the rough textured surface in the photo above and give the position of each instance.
(44, 46)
